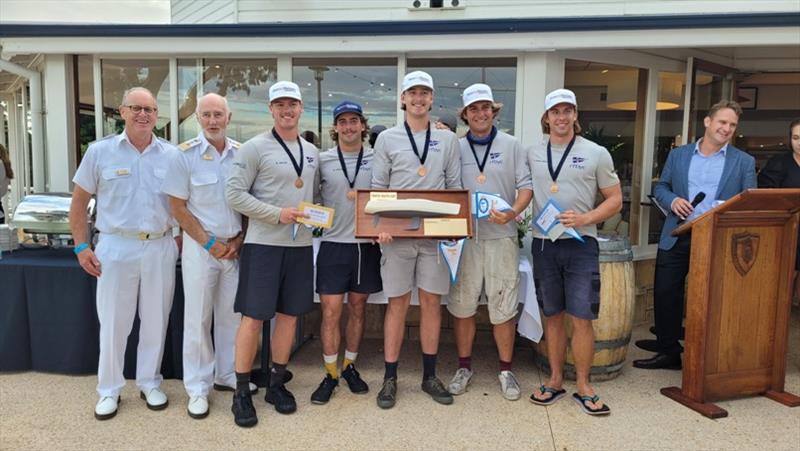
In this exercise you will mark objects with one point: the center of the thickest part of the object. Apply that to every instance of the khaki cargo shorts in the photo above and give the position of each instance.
(406, 263)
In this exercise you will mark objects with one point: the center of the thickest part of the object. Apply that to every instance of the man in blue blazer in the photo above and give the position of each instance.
(696, 177)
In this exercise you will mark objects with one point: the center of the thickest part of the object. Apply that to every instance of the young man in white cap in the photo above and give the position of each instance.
(210, 255)
(134, 261)
(493, 162)
(271, 174)
(345, 265)
(570, 170)
(414, 155)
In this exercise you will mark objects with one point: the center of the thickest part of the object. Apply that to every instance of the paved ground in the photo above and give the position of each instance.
(45, 411)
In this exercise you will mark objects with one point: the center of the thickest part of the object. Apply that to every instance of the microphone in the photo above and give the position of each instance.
(695, 202)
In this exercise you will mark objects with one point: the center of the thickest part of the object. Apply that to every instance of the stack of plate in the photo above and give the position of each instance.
(8, 238)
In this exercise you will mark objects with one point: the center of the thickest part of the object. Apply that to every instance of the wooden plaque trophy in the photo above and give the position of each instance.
(739, 300)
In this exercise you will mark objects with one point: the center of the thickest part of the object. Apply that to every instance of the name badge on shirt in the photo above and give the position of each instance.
(208, 157)
(122, 172)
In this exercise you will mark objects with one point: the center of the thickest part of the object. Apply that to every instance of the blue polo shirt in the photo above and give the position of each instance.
(705, 173)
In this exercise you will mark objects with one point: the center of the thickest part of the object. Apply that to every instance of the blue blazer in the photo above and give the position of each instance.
(738, 174)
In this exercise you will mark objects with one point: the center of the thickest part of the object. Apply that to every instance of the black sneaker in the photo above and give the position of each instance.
(244, 414)
(354, 381)
(261, 378)
(434, 387)
(282, 399)
(388, 394)
(325, 390)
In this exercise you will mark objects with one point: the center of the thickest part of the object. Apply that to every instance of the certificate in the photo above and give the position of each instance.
(318, 216)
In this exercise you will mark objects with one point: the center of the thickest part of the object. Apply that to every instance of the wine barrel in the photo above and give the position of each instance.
(612, 329)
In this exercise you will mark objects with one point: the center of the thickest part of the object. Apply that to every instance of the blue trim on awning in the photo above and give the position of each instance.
(404, 28)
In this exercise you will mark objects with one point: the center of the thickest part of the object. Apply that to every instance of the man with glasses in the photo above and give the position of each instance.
(210, 255)
(271, 174)
(414, 155)
(345, 265)
(493, 162)
(134, 261)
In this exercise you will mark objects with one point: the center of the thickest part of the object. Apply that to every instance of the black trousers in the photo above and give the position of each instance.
(672, 266)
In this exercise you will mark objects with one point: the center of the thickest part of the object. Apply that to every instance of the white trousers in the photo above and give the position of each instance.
(134, 274)
(209, 287)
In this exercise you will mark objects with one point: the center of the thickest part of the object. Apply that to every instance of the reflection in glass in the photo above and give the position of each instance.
(451, 76)
(85, 96)
(120, 75)
(324, 82)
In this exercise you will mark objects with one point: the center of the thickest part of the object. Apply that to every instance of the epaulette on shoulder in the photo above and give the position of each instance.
(234, 143)
(186, 145)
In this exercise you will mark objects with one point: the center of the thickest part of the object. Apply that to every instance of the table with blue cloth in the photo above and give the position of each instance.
(48, 319)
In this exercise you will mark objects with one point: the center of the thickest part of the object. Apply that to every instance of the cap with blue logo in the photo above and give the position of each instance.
(476, 93)
(560, 96)
(347, 107)
(417, 78)
(283, 89)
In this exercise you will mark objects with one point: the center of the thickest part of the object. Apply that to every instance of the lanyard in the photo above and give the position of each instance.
(554, 174)
(414, 144)
(471, 141)
(297, 167)
(344, 166)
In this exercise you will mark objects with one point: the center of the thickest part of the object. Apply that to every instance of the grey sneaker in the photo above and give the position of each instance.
(435, 388)
(460, 382)
(388, 394)
(509, 385)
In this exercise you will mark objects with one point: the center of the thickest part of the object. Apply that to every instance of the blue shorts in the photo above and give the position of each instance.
(275, 279)
(567, 276)
(343, 267)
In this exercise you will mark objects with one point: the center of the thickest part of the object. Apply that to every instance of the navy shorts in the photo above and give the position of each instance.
(341, 268)
(275, 279)
(567, 276)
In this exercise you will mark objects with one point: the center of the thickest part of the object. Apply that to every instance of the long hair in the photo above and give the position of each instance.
(6, 159)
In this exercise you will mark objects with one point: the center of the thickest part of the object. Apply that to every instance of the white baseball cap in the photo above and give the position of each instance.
(417, 78)
(560, 96)
(284, 89)
(476, 93)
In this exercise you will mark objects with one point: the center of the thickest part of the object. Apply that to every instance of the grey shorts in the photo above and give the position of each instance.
(567, 276)
(407, 263)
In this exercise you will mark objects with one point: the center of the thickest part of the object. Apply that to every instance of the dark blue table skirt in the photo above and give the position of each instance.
(48, 319)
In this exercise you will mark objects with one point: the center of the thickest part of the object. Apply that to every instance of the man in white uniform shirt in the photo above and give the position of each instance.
(210, 255)
(134, 261)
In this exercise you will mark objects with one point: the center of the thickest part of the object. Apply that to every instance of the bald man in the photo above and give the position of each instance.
(212, 237)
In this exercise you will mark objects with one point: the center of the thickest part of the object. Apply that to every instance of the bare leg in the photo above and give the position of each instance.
(583, 351)
(394, 326)
(331, 315)
(247, 343)
(356, 306)
(464, 330)
(430, 322)
(283, 338)
(504, 335)
(556, 336)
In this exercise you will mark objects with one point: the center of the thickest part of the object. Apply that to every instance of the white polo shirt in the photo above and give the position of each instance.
(127, 184)
(198, 174)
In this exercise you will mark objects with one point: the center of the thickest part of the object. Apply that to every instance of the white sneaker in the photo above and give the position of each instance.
(198, 407)
(458, 385)
(155, 398)
(106, 407)
(509, 385)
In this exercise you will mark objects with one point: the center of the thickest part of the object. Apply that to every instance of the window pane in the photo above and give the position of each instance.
(85, 96)
(120, 75)
(188, 127)
(451, 76)
(324, 83)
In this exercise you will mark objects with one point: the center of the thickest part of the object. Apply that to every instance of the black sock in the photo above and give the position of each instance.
(391, 370)
(277, 374)
(428, 365)
(243, 382)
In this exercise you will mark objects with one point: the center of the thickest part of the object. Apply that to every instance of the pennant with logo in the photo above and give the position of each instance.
(549, 224)
(485, 202)
(451, 252)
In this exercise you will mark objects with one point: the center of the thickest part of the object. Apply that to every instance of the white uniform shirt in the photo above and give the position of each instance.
(198, 174)
(127, 184)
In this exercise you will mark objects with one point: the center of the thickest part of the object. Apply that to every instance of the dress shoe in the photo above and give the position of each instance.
(647, 345)
(155, 398)
(106, 407)
(198, 407)
(224, 387)
(683, 331)
(659, 362)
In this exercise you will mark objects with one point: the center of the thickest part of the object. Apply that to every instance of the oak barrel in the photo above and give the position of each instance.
(612, 329)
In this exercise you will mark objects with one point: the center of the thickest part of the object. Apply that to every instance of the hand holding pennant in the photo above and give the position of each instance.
(485, 202)
(547, 221)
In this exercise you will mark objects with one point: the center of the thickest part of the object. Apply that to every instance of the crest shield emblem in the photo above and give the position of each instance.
(744, 250)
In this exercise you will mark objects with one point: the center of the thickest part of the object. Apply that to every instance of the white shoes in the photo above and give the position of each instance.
(460, 382)
(106, 407)
(198, 407)
(509, 386)
(155, 398)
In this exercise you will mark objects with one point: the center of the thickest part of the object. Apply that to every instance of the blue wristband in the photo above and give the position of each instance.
(211, 240)
(79, 248)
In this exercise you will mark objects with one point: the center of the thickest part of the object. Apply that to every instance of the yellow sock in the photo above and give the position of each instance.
(349, 357)
(346, 362)
(330, 365)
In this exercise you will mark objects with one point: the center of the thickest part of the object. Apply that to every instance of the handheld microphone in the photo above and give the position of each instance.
(698, 198)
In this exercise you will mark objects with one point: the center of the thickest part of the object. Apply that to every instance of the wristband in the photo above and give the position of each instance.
(80, 248)
(211, 241)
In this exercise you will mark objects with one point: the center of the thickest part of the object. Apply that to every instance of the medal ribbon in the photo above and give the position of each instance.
(414, 144)
(554, 174)
(472, 141)
(297, 167)
(344, 166)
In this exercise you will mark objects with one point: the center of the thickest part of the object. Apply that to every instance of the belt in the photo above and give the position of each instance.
(143, 236)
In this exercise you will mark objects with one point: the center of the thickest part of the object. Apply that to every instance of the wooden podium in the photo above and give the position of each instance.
(739, 300)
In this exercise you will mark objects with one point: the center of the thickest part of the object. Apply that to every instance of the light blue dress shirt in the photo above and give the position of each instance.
(705, 173)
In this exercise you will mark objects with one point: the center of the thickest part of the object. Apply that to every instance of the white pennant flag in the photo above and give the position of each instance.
(451, 252)
(485, 202)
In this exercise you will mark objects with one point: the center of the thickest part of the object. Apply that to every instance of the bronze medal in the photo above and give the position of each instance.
(481, 179)
(422, 171)
(351, 195)
(298, 183)
(554, 188)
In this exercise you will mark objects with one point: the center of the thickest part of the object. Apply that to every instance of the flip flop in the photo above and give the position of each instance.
(582, 400)
(555, 393)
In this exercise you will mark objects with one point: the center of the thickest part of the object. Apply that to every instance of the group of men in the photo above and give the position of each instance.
(246, 258)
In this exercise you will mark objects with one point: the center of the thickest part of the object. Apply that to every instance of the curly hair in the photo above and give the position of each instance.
(364, 133)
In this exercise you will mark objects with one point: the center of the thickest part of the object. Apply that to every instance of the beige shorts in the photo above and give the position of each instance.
(494, 263)
(406, 261)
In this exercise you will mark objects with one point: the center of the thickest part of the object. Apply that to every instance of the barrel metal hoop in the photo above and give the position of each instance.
(612, 344)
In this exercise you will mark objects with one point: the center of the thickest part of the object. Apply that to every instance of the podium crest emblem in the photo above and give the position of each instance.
(744, 249)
